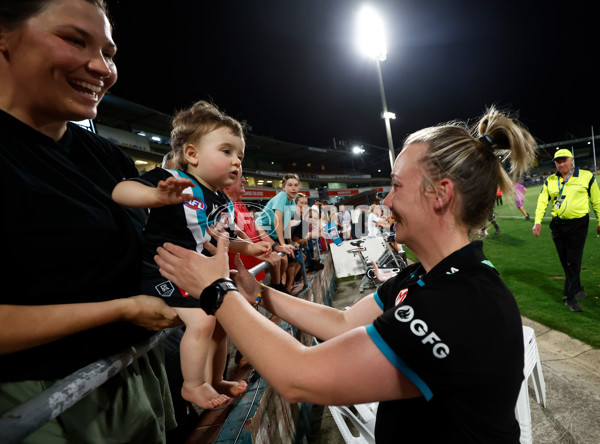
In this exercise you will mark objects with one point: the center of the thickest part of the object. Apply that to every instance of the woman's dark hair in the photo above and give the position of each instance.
(13, 13)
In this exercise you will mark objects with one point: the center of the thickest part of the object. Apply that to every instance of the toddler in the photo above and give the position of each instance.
(184, 202)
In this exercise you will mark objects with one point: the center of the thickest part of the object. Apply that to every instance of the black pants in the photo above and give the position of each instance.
(569, 238)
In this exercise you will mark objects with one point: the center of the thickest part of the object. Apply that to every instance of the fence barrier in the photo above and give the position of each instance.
(22, 421)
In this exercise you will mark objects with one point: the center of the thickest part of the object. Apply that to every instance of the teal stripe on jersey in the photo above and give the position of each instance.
(398, 363)
(199, 196)
(197, 220)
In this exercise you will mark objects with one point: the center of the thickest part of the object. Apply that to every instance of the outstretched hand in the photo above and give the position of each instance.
(244, 281)
(170, 191)
(382, 275)
(150, 312)
(192, 271)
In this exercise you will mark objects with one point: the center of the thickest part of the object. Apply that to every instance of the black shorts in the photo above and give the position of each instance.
(154, 284)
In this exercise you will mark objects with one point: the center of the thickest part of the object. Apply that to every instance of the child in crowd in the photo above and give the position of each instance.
(208, 148)
(275, 221)
(249, 230)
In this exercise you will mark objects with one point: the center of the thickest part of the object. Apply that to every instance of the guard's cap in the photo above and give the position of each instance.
(562, 153)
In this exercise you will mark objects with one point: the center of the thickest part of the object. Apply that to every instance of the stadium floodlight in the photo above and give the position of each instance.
(372, 43)
(371, 34)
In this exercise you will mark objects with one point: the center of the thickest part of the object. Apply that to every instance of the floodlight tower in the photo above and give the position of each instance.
(371, 42)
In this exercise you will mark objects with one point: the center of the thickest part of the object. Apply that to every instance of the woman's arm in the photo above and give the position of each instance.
(182, 267)
(319, 320)
(348, 368)
(25, 326)
(279, 226)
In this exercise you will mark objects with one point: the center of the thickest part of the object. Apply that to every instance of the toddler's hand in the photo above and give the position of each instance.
(170, 191)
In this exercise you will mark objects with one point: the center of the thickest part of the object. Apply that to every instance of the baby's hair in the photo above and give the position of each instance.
(190, 124)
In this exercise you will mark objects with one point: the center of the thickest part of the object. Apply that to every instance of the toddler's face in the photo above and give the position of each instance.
(220, 155)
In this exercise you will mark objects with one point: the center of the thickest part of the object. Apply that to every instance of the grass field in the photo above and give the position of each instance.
(531, 269)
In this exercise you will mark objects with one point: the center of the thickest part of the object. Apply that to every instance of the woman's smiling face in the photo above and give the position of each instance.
(60, 63)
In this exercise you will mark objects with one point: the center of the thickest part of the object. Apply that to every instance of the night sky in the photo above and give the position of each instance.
(292, 71)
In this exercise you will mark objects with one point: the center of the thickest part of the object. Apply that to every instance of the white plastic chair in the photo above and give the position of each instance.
(363, 421)
(532, 367)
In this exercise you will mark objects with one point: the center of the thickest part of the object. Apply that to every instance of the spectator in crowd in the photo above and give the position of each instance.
(326, 213)
(520, 191)
(336, 218)
(69, 293)
(360, 228)
(410, 345)
(345, 219)
(275, 219)
(570, 192)
(316, 208)
(251, 232)
(375, 221)
(306, 231)
(208, 148)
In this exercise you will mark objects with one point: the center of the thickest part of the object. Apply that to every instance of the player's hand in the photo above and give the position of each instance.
(190, 270)
(170, 191)
(244, 281)
(536, 230)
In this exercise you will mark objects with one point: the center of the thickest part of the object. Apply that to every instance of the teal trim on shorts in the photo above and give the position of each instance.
(398, 363)
(378, 300)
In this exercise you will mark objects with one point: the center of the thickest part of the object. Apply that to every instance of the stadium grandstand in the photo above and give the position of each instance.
(332, 173)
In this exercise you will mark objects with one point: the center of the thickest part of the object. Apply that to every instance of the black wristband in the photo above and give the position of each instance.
(212, 296)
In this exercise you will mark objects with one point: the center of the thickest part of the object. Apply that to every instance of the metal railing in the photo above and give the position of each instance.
(22, 421)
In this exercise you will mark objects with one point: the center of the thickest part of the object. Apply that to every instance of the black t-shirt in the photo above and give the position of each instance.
(66, 240)
(456, 333)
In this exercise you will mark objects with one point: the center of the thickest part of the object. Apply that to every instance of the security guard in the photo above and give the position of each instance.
(570, 190)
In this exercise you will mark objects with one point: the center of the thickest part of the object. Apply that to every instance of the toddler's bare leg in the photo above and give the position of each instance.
(215, 365)
(194, 349)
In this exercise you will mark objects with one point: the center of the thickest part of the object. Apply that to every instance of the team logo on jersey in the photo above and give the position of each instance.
(195, 204)
(401, 296)
(452, 270)
(165, 289)
(184, 293)
(418, 327)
